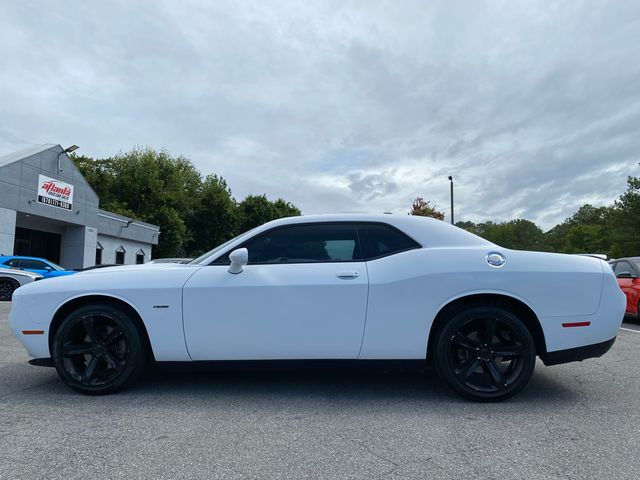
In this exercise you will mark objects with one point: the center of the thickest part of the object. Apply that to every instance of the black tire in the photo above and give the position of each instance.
(7, 287)
(468, 352)
(98, 350)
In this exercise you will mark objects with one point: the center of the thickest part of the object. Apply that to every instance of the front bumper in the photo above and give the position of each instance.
(577, 354)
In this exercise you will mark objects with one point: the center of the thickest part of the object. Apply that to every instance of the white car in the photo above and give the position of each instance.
(11, 279)
(351, 287)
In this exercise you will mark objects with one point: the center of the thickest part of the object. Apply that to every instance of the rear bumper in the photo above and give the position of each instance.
(578, 354)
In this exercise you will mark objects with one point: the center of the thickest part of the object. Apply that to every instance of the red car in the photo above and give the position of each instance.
(627, 271)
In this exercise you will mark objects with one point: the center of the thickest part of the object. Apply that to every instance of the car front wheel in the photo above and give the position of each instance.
(485, 353)
(7, 287)
(98, 350)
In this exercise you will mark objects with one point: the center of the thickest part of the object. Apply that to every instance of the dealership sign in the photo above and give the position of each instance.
(55, 193)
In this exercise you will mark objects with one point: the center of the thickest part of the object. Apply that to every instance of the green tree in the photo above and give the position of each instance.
(586, 231)
(215, 218)
(150, 185)
(468, 226)
(194, 214)
(626, 221)
(255, 210)
(519, 234)
(423, 208)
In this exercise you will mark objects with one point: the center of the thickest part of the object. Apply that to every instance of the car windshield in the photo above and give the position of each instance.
(55, 266)
(219, 247)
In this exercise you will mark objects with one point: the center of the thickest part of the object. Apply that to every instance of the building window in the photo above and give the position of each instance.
(120, 251)
(140, 257)
(98, 254)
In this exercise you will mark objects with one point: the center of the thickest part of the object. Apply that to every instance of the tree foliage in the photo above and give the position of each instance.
(194, 213)
(519, 234)
(255, 210)
(626, 218)
(423, 208)
(612, 230)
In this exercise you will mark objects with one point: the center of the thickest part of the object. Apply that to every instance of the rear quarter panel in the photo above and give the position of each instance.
(407, 291)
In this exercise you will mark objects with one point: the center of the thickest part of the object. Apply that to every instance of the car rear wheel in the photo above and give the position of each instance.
(7, 287)
(485, 354)
(99, 350)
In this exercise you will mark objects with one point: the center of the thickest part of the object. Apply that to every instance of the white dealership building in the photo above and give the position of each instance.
(47, 209)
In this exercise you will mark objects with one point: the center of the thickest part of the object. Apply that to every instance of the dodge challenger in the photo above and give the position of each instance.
(348, 287)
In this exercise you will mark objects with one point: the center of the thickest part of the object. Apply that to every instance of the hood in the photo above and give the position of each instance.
(24, 273)
(129, 268)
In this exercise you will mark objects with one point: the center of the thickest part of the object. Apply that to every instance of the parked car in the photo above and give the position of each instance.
(93, 267)
(34, 264)
(349, 287)
(627, 272)
(11, 279)
(170, 260)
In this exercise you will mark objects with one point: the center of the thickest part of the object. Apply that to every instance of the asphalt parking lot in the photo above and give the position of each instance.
(573, 421)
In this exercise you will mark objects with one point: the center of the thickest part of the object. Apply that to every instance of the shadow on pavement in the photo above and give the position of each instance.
(345, 383)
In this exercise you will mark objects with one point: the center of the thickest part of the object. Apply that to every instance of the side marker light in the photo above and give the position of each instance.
(576, 324)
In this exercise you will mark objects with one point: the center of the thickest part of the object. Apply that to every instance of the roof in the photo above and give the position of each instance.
(425, 230)
(27, 152)
(25, 257)
(125, 219)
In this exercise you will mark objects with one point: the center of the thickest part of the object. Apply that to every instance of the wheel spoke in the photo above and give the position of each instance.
(90, 371)
(113, 362)
(70, 349)
(508, 351)
(489, 331)
(112, 337)
(497, 377)
(89, 325)
(470, 368)
(464, 342)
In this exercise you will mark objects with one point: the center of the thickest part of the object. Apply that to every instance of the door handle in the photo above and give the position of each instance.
(349, 274)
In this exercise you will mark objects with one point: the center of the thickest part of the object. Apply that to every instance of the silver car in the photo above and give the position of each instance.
(10, 279)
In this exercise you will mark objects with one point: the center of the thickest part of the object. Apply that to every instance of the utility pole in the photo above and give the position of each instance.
(451, 184)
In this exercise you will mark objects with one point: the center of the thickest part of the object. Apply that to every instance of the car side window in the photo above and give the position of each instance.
(622, 267)
(12, 263)
(32, 264)
(383, 240)
(306, 244)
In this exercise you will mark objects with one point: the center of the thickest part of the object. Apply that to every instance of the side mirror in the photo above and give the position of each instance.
(48, 268)
(625, 275)
(239, 258)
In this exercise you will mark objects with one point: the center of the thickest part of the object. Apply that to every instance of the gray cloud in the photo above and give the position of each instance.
(533, 107)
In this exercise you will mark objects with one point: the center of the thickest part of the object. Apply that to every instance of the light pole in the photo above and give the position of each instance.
(451, 184)
(67, 150)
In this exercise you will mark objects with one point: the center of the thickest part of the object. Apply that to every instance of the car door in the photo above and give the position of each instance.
(302, 295)
(35, 266)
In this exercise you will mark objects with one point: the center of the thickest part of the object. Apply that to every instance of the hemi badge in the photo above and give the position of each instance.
(161, 306)
(576, 324)
(33, 332)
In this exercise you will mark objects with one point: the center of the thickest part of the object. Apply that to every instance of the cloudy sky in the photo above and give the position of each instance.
(533, 107)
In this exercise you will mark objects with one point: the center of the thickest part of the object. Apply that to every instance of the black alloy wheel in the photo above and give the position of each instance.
(485, 354)
(98, 350)
(7, 287)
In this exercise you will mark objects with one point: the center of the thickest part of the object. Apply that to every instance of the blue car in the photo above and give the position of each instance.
(34, 264)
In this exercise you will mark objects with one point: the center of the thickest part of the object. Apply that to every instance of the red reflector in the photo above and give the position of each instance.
(33, 332)
(576, 324)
